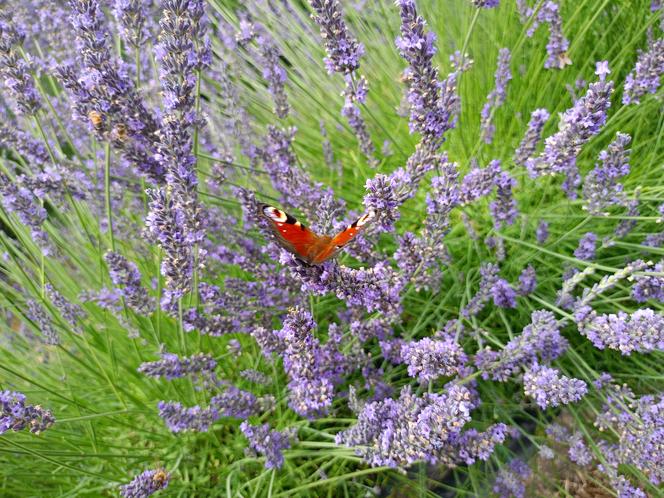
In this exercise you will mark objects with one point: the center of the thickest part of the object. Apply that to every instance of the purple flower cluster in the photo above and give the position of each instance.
(355, 94)
(273, 71)
(311, 368)
(14, 70)
(400, 432)
(233, 402)
(503, 209)
(646, 75)
(479, 182)
(527, 281)
(267, 442)
(171, 366)
(15, 415)
(134, 21)
(533, 135)
(577, 126)
(105, 97)
(489, 276)
(557, 45)
(641, 331)
(510, 480)
(146, 484)
(587, 247)
(21, 201)
(486, 4)
(639, 426)
(343, 51)
(71, 312)
(497, 96)
(600, 187)
(548, 388)
(578, 452)
(40, 317)
(542, 232)
(127, 279)
(431, 358)
(432, 104)
(541, 338)
(649, 287)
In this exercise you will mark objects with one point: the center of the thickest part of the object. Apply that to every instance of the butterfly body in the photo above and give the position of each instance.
(311, 248)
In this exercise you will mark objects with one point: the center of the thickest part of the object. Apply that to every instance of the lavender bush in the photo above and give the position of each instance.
(503, 308)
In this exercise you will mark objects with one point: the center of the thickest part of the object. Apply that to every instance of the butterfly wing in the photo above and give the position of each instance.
(290, 233)
(342, 238)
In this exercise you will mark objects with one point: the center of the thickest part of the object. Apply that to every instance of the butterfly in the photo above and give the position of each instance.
(306, 245)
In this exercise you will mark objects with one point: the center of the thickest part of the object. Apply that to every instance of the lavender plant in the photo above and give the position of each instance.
(154, 339)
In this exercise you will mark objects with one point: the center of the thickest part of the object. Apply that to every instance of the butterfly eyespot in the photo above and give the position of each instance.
(275, 214)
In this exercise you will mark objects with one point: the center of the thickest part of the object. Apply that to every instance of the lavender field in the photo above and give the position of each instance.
(331, 248)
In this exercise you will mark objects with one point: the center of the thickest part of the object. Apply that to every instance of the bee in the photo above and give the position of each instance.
(160, 477)
(96, 119)
(120, 132)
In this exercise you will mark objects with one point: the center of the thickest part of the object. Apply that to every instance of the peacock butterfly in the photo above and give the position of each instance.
(306, 245)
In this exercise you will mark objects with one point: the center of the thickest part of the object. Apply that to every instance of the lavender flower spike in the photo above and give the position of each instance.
(587, 247)
(269, 442)
(15, 415)
(600, 187)
(497, 96)
(432, 112)
(125, 275)
(485, 4)
(548, 388)
(646, 75)
(577, 126)
(146, 484)
(171, 366)
(343, 51)
(538, 119)
(429, 359)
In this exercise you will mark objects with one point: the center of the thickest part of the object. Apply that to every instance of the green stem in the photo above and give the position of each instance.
(107, 192)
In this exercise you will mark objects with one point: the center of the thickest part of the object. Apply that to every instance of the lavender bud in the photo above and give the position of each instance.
(15, 415)
(548, 388)
(146, 484)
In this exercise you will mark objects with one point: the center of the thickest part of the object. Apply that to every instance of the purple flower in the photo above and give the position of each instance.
(343, 51)
(428, 359)
(649, 287)
(557, 46)
(309, 366)
(640, 331)
(171, 366)
(541, 338)
(533, 135)
(39, 316)
(15, 415)
(578, 451)
(399, 432)
(489, 276)
(146, 484)
(587, 247)
(127, 279)
(15, 71)
(134, 21)
(639, 426)
(600, 187)
(548, 388)
(542, 232)
(485, 4)
(510, 480)
(646, 75)
(21, 201)
(527, 281)
(504, 296)
(267, 442)
(273, 71)
(355, 95)
(479, 182)
(433, 106)
(503, 209)
(497, 96)
(71, 312)
(577, 126)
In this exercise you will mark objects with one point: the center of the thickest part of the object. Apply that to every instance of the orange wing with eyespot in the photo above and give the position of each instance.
(290, 233)
(305, 244)
(342, 238)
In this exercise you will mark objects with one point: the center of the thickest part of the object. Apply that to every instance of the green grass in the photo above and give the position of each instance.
(107, 426)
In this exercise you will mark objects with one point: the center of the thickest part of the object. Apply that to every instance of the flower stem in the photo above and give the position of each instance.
(107, 192)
